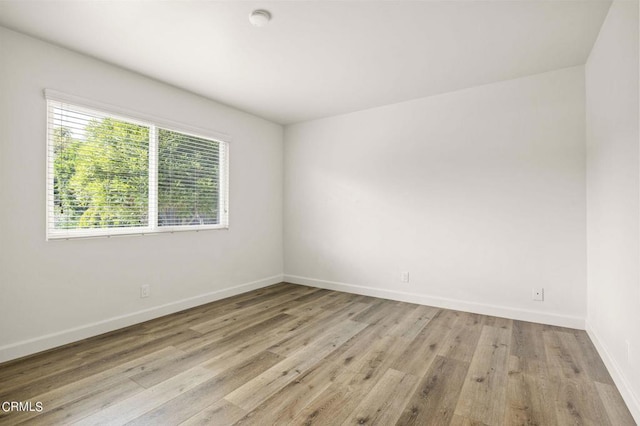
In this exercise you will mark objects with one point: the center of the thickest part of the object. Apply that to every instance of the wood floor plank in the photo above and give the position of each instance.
(51, 361)
(527, 341)
(483, 394)
(27, 388)
(461, 342)
(264, 341)
(376, 311)
(92, 401)
(382, 353)
(596, 368)
(592, 369)
(214, 309)
(56, 360)
(67, 394)
(361, 348)
(530, 393)
(575, 401)
(280, 290)
(575, 404)
(337, 401)
(559, 359)
(437, 393)
(294, 342)
(354, 348)
(202, 396)
(149, 399)
(392, 321)
(362, 373)
(384, 404)
(289, 354)
(252, 393)
(617, 411)
(287, 403)
(239, 318)
(257, 343)
(338, 299)
(498, 322)
(425, 346)
(219, 413)
(465, 421)
(209, 350)
(56, 394)
(413, 321)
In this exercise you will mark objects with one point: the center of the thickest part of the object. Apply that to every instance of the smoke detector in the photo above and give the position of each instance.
(259, 18)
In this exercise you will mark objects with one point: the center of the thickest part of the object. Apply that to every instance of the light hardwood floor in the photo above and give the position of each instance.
(290, 354)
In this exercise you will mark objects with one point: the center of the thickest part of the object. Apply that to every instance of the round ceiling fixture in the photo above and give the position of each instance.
(259, 18)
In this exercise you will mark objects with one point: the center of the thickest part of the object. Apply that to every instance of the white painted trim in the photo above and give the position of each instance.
(630, 398)
(129, 115)
(41, 343)
(441, 302)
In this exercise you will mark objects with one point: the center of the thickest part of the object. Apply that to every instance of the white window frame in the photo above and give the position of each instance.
(153, 123)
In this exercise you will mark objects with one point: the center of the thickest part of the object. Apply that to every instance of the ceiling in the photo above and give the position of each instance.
(319, 58)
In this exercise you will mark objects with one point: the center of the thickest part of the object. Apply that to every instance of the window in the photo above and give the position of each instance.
(110, 174)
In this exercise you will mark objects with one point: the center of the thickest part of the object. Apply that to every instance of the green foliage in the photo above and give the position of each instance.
(102, 181)
(101, 177)
(65, 150)
(187, 180)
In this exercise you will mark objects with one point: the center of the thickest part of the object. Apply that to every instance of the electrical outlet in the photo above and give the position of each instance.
(145, 290)
(538, 294)
(404, 277)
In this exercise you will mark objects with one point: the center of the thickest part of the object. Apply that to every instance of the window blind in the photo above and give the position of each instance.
(188, 180)
(110, 175)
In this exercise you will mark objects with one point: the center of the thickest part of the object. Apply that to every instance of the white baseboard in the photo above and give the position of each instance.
(41, 343)
(441, 302)
(630, 398)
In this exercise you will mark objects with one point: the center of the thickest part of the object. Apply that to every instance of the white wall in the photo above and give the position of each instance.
(59, 291)
(479, 194)
(613, 185)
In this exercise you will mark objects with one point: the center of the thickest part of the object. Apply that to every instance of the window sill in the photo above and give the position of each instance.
(84, 234)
